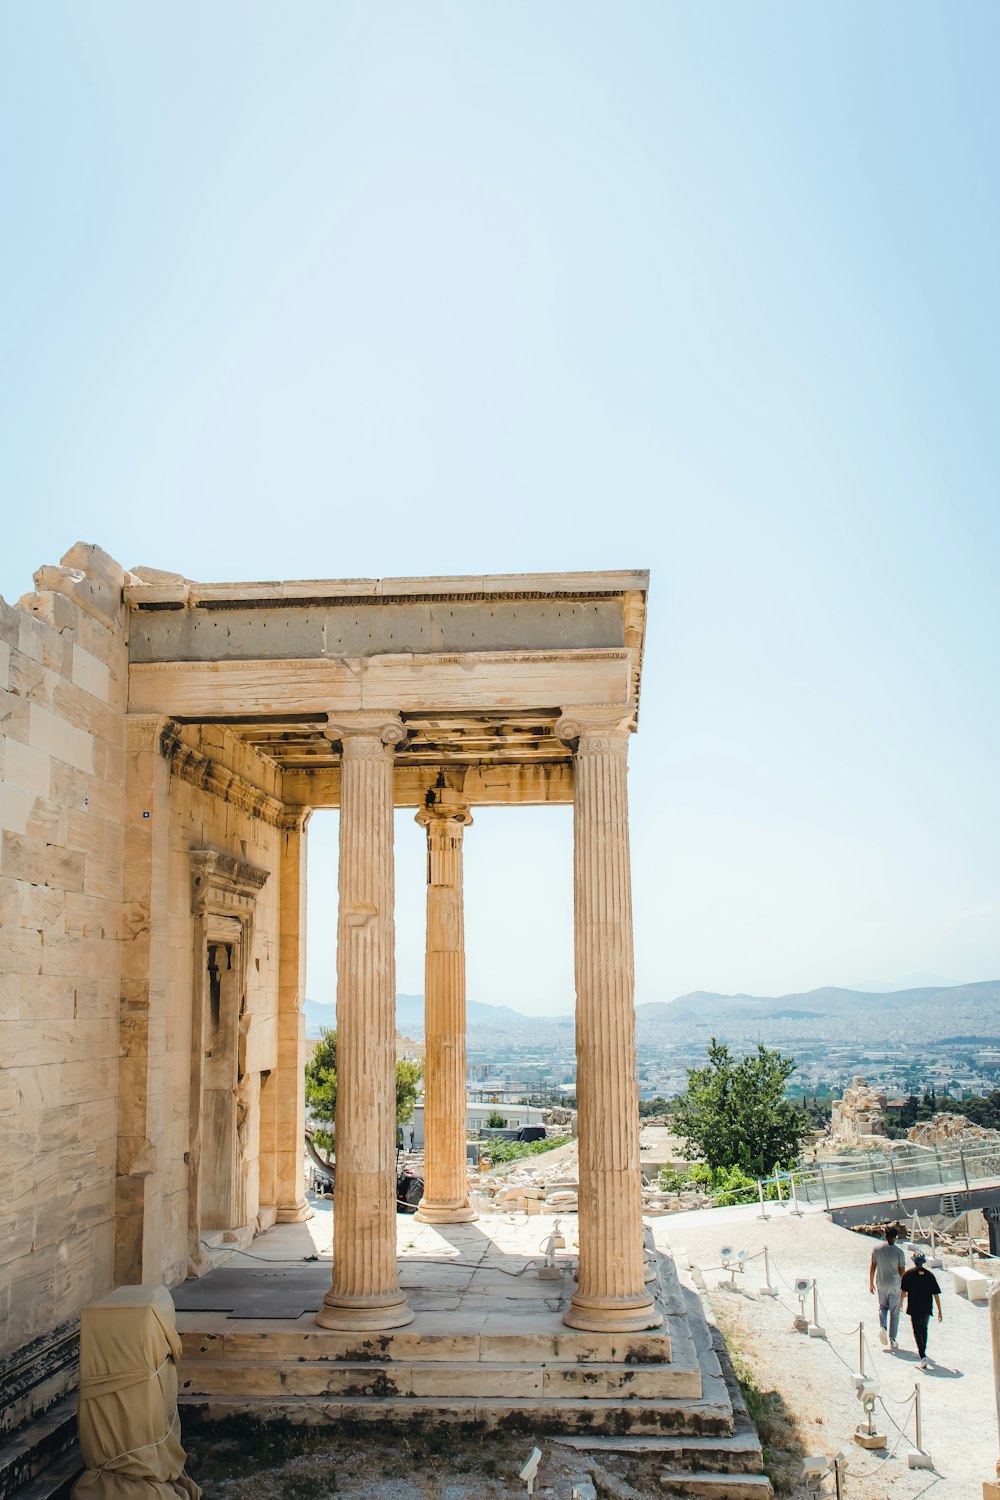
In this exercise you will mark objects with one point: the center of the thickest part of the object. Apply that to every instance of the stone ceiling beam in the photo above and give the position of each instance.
(481, 786)
(404, 684)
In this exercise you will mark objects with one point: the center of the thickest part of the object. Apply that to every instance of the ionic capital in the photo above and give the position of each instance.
(364, 735)
(595, 727)
(443, 806)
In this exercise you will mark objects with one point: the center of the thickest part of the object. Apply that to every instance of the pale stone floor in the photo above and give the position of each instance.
(814, 1375)
(479, 1275)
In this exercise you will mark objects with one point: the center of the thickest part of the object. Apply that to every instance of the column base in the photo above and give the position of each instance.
(614, 1315)
(363, 1315)
(294, 1213)
(444, 1213)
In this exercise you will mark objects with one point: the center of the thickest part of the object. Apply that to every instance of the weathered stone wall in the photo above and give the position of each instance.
(63, 683)
(99, 813)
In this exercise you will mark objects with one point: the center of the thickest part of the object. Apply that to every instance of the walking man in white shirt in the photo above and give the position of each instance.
(884, 1275)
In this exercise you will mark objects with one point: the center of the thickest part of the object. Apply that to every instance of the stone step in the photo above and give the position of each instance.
(709, 1486)
(47, 1439)
(738, 1453)
(479, 1379)
(528, 1414)
(56, 1481)
(431, 1337)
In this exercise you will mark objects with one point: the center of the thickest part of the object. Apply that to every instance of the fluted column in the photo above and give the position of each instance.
(288, 1081)
(446, 1199)
(365, 1290)
(612, 1293)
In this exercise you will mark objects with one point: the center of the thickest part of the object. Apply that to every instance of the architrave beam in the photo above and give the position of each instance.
(488, 681)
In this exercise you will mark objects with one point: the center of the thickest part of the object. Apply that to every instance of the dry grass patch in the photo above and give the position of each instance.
(776, 1424)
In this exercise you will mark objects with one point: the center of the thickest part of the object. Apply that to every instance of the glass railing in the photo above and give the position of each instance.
(880, 1174)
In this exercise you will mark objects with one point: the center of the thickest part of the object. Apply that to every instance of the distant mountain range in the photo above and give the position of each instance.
(928, 1013)
(410, 1016)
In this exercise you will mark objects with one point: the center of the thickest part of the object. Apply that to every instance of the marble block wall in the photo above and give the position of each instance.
(63, 685)
(99, 814)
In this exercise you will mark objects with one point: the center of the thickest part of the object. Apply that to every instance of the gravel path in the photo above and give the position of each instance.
(813, 1376)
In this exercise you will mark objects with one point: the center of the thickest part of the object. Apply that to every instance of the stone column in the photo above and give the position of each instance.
(365, 1291)
(446, 1199)
(289, 1076)
(612, 1293)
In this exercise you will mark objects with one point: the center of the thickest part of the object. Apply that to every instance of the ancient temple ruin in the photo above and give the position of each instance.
(164, 744)
(859, 1117)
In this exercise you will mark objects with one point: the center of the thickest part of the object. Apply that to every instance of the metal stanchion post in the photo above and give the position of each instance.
(760, 1194)
(838, 1476)
(917, 1458)
(777, 1183)
(815, 1329)
(767, 1290)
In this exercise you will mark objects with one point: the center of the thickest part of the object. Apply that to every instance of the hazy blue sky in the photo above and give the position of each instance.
(344, 289)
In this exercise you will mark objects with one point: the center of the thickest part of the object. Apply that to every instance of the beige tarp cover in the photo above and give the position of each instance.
(129, 1430)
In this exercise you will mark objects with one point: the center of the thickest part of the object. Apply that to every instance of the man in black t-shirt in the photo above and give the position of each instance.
(919, 1291)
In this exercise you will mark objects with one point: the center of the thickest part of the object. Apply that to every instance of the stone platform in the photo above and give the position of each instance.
(487, 1347)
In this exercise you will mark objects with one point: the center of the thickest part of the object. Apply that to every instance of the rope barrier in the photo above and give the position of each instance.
(883, 1398)
(845, 1333)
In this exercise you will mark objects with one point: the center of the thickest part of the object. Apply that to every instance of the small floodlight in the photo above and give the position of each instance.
(732, 1261)
(531, 1469)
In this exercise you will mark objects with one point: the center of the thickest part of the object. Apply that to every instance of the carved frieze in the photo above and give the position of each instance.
(223, 881)
(200, 770)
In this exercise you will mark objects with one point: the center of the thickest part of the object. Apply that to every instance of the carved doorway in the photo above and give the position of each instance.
(222, 1182)
(224, 891)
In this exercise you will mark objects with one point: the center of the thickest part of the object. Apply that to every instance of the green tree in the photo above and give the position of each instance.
(927, 1106)
(983, 1110)
(321, 1088)
(495, 1120)
(908, 1113)
(735, 1114)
